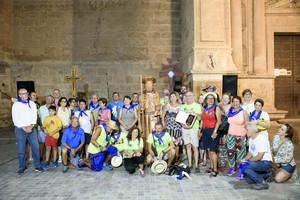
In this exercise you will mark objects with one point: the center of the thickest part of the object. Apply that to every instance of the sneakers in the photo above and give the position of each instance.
(222, 169)
(45, 165)
(203, 164)
(65, 168)
(142, 173)
(20, 171)
(261, 186)
(107, 167)
(59, 159)
(239, 176)
(55, 164)
(39, 169)
(230, 172)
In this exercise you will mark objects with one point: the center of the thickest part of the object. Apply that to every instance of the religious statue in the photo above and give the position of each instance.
(149, 106)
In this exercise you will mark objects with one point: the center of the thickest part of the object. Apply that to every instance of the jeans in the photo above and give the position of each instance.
(21, 137)
(257, 171)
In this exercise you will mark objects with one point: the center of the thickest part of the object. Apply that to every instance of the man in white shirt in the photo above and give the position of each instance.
(259, 158)
(24, 116)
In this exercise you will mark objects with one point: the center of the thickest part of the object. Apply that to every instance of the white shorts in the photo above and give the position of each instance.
(190, 136)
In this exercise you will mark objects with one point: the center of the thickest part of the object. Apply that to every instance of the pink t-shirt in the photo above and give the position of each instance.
(103, 116)
(237, 125)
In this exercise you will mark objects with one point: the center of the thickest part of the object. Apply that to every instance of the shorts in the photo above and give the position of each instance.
(208, 142)
(201, 146)
(41, 136)
(190, 136)
(289, 168)
(75, 159)
(87, 138)
(98, 159)
(50, 141)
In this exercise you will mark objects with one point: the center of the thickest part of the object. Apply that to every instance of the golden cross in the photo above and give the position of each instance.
(73, 78)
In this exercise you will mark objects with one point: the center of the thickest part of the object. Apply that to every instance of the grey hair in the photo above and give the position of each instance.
(252, 126)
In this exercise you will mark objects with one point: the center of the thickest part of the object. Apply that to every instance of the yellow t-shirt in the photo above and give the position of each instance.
(133, 145)
(51, 123)
(119, 144)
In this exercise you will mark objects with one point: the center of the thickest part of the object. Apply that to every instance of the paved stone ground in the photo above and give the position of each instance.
(118, 184)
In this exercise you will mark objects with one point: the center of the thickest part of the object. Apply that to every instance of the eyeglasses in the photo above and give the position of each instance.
(23, 93)
(64, 101)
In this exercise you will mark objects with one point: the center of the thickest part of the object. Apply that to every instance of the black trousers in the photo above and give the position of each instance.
(131, 163)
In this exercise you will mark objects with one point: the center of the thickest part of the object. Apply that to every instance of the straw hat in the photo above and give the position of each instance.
(112, 124)
(116, 161)
(209, 86)
(210, 93)
(159, 167)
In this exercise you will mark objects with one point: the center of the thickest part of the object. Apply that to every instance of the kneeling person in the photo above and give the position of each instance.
(99, 151)
(133, 152)
(72, 141)
(163, 145)
(117, 140)
(259, 158)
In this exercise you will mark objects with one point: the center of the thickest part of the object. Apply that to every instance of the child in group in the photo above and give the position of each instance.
(52, 125)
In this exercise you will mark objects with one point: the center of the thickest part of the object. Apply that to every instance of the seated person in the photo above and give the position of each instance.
(117, 140)
(282, 150)
(259, 158)
(162, 144)
(99, 151)
(72, 141)
(133, 152)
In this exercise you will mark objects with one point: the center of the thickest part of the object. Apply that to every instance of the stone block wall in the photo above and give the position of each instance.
(111, 42)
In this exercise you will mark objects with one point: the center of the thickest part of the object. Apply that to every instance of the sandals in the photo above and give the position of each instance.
(209, 170)
(213, 174)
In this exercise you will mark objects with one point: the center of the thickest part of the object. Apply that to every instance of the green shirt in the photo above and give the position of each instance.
(163, 145)
(101, 140)
(120, 142)
(94, 112)
(133, 145)
(162, 101)
(196, 108)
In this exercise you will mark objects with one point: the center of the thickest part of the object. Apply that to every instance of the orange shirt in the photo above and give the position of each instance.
(237, 125)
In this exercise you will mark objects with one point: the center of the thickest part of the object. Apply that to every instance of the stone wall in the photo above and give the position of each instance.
(112, 43)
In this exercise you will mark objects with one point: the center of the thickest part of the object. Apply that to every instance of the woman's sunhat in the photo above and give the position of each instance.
(159, 167)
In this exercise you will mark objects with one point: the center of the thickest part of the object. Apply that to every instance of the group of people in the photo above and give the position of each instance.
(227, 130)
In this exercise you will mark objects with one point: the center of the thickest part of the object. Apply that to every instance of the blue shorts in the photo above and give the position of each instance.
(289, 168)
(208, 142)
(98, 159)
(41, 136)
(75, 159)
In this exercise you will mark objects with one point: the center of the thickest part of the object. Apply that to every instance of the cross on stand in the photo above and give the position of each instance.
(73, 78)
(170, 67)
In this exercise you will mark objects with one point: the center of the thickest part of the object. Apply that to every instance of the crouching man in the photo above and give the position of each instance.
(72, 141)
(161, 146)
(258, 159)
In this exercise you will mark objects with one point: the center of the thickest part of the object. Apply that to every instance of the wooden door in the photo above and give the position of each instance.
(287, 88)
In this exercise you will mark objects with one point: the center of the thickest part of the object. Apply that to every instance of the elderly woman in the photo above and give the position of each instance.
(260, 118)
(133, 152)
(210, 122)
(169, 121)
(94, 106)
(224, 106)
(258, 160)
(248, 104)
(236, 138)
(282, 150)
(127, 115)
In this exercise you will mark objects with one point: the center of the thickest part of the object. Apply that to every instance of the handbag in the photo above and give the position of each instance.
(224, 126)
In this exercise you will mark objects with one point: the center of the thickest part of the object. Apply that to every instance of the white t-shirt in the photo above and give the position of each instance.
(260, 144)
(249, 107)
(85, 121)
(264, 116)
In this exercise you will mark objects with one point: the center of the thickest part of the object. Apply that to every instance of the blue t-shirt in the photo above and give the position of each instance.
(44, 112)
(73, 138)
(114, 108)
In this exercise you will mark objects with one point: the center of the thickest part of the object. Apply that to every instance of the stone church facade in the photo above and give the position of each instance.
(113, 42)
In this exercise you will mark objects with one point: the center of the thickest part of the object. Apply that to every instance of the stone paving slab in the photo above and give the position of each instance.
(119, 185)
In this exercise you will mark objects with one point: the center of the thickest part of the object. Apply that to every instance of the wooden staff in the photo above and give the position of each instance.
(141, 115)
